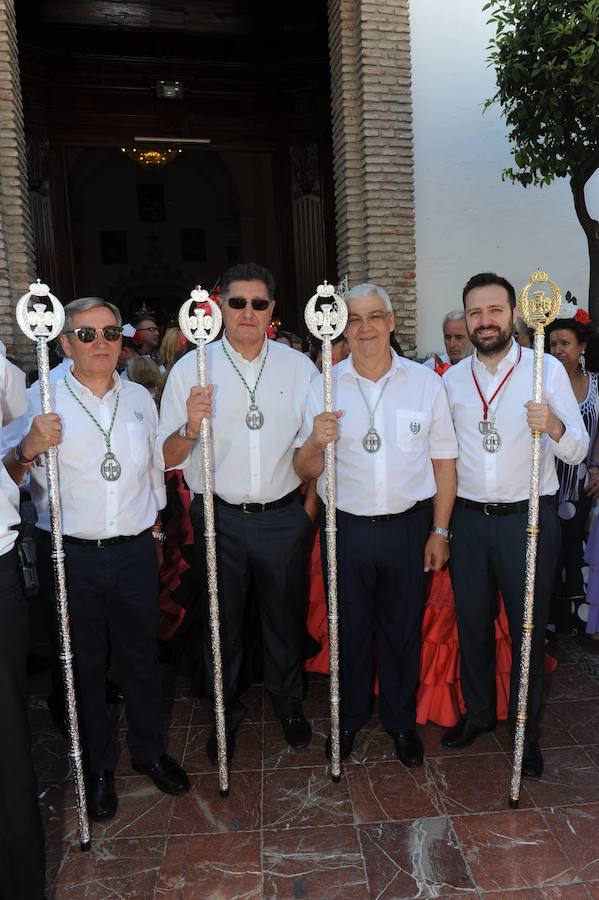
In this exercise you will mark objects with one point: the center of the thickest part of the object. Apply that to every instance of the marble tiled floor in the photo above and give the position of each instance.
(384, 832)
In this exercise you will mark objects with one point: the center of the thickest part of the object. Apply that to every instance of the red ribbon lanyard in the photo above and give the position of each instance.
(486, 404)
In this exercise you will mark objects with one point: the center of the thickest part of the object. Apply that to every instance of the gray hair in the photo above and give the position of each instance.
(360, 291)
(82, 305)
(453, 315)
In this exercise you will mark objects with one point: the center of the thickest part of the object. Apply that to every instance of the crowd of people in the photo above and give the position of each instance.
(432, 500)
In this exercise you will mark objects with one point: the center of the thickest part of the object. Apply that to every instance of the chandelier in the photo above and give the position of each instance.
(152, 159)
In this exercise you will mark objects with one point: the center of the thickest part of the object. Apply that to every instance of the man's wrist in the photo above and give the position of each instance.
(187, 433)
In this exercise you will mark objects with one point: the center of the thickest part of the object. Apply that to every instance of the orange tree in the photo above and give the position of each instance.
(546, 59)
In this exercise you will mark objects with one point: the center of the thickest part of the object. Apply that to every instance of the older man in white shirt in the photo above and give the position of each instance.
(21, 835)
(395, 452)
(256, 401)
(111, 495)
(489, 395)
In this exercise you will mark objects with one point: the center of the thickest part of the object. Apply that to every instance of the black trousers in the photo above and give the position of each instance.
(569, 584)
(268, 547)
(487, 553)
(116, 589)
(381, 587)
(22, 853)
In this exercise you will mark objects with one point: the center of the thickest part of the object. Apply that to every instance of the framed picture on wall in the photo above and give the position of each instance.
(150, 202)
(113, 247)
(193, 244)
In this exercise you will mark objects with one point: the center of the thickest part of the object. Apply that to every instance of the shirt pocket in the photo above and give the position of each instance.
(139, 442)
(413, 426)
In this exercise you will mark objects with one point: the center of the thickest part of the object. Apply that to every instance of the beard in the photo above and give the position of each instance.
(492, 344)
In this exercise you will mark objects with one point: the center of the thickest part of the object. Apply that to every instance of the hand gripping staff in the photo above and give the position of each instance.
(41, 324)
(326, 317)
(201, 327)
(537, 312)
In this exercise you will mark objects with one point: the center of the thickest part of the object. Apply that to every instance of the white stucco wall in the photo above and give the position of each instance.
(467, 219)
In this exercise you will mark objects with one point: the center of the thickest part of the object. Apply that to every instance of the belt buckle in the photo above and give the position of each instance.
(244, 506)
(485, 509)
(99, 542)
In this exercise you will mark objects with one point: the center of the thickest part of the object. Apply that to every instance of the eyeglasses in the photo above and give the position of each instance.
(88, 335)
(374, 318)
(240, 303)
(148, 328)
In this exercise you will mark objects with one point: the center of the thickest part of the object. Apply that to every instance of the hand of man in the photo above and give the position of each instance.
(45, 432)
(540, 418)
(325, 428)
(592, 485)
(199, 407)
(436, 553)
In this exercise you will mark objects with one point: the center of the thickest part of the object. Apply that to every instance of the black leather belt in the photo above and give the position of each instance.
(385, 517)
(503, 509)
(104, 542)
(259, 507)
(9, 561)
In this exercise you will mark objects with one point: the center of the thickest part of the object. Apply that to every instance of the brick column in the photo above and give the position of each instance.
(369, 44)
(17, 259)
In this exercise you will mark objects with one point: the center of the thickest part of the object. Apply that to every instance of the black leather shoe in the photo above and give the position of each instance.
(408, 747)
(346, 744)
(464, 733)
(532, 760)
(212, 747)
(101, 796)
(167, 775)
(297, 729)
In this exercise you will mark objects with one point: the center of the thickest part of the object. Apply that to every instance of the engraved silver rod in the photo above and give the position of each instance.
(532, 532)
(214, 613)
(331, 539)
(66, 654)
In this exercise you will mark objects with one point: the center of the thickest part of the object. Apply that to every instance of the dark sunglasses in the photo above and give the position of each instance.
(240, 303)
(88, 335)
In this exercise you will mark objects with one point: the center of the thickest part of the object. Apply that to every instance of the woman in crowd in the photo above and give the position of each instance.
(572, 339)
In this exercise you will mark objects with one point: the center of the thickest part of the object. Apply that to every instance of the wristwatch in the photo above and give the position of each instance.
(183, 434)
(444, 532)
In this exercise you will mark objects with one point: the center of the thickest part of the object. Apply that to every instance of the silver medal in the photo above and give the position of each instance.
(492, 442)
(110, 468)
(254, 418)
(372, 441)
(486, 426)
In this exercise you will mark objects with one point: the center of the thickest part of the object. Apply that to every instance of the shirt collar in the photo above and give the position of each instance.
(506, 363)
(241, 359)
(85, 391)
(349, 373)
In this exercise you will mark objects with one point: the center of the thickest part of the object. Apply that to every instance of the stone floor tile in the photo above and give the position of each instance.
(388, 791)
(211, 866)
(204, 811)
(569, 776)
(295, 798)
(469, 784)
(248, 749)
(421, 858)
(125, 868)
(314, 862)
(576, 829)
(512, 849)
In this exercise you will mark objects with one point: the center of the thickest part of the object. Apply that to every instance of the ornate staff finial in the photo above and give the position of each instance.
(539, 310)
(44, 320)
(328, 319)
(200, 318)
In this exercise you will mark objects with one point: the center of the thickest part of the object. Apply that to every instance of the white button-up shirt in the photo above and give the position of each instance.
(13, 403)
(504, 476)
(249, 466)
(91, 506)
(414, 423)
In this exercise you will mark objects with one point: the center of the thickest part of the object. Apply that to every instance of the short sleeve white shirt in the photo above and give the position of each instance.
(414, 423)
(13, 403)
(249, 465)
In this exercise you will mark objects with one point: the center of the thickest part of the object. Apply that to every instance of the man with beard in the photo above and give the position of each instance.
(489, 396)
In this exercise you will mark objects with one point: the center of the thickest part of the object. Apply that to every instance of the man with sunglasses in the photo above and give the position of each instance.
(111, 494)
(256, 401)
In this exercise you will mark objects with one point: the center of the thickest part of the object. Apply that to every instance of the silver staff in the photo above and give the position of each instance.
(200, 328)
(537, 312)
(41, 324)
(326, 323)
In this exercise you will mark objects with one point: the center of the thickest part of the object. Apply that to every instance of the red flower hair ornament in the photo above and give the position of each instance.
(582, 317)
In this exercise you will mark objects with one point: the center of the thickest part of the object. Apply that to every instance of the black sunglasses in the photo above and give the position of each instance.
(240, 303)
(87, 335)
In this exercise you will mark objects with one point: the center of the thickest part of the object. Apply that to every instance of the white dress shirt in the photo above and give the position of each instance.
(249, 466)
(13, 403)
(504, 476)
(91, 506)
(430, 363)
(414, 423)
